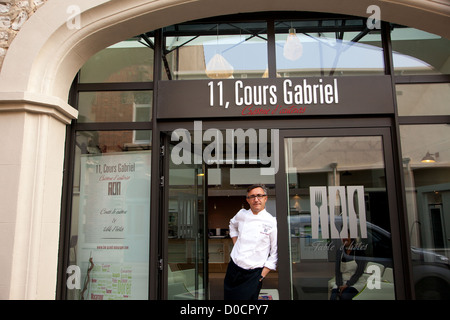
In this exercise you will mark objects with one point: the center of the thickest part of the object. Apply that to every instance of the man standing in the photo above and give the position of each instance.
(254, 235)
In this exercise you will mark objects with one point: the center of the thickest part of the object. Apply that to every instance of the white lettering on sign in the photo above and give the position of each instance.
(290, 93)
(254, 95)
(306, 93)
(338, 212)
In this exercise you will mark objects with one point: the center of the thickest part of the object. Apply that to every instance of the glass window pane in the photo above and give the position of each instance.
(426, 168)
(339, 219)
(126, 61)
(109, 240)
(217, 51)
(335, 48)
(115, 106)
(419, 52)
(186, 229)
(423, 99)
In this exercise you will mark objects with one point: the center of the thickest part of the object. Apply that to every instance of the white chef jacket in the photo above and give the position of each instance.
(256, 244)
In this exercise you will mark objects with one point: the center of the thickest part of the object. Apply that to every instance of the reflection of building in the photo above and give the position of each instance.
(127, 53)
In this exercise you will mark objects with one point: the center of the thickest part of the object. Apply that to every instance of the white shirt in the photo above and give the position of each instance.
(256, 244)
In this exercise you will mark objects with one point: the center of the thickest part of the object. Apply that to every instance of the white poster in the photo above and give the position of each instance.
(114, 224)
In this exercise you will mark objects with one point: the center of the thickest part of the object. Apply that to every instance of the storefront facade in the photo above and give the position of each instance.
(173, 110)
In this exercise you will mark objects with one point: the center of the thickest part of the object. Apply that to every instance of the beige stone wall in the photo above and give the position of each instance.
(13, 14)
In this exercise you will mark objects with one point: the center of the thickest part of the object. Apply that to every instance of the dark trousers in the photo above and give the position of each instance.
(242, 284)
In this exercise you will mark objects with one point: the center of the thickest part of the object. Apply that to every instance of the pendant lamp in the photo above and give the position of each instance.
(429, 158)
(293, 49)
(219, 68)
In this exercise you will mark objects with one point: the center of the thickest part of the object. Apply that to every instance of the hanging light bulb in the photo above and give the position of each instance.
(293, 49)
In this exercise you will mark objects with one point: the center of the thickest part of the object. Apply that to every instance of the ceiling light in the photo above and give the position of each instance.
(429, 158)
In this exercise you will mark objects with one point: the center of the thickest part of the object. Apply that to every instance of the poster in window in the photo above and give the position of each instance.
(114, 219)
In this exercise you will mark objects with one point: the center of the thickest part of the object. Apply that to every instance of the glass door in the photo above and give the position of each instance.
(205, 185)
(338, 214)
(184, 183)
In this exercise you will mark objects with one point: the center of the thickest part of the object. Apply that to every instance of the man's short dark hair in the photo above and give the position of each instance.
(254, 186)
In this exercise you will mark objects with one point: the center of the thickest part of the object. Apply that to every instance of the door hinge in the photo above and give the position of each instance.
(161, 151)
(160, 266)
(161, 181)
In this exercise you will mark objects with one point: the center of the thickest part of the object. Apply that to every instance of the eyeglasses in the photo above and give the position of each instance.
(254, 196)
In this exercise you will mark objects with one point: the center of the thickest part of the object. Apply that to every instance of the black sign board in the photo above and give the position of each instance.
(281, 97)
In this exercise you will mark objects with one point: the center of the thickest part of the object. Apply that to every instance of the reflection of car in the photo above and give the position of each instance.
(431, 274)
(431, 271)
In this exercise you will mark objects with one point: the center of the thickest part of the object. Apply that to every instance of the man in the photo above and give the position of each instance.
(254, 235)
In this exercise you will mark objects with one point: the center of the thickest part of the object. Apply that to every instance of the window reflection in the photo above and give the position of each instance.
(339, 219)
(218, 51)
(115, 106)
(334, 47)
(423, 99)
(419, 52)
(427, 189)
(126, 61)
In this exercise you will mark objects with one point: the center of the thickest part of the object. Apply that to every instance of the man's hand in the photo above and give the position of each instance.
(264, 273)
